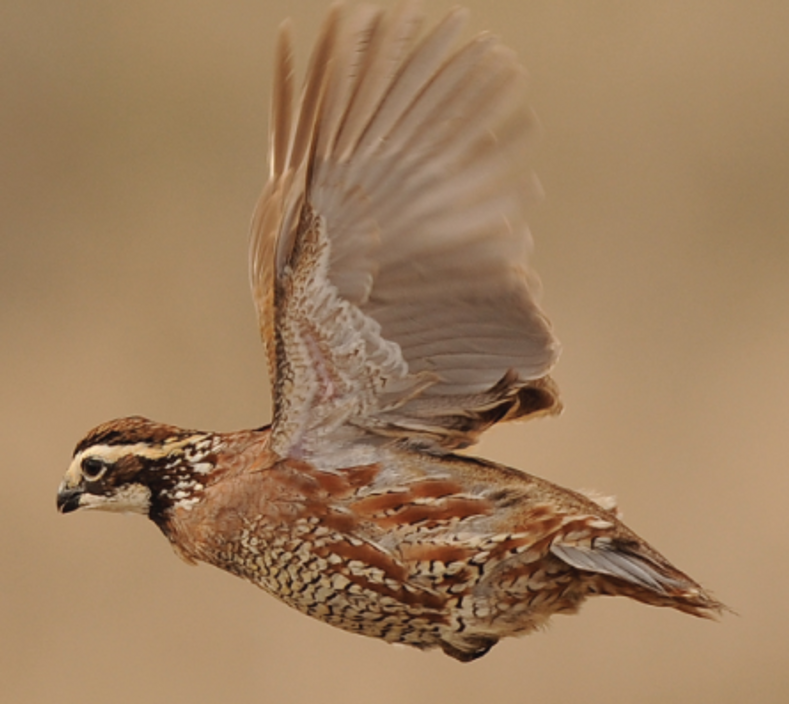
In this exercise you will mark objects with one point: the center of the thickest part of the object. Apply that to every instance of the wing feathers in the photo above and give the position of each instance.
(413, 75)
(385, 52)
(397, 202)
(313, 88)
(282, 101)
(362, 74)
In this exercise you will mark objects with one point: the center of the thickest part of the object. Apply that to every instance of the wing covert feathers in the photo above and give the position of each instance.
(389, 248)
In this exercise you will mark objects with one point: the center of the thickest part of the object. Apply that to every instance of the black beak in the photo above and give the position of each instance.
(68, 499)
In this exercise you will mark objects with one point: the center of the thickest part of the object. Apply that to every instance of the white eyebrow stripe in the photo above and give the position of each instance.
(112, 453)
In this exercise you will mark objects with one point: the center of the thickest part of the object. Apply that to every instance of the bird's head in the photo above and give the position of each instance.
(136, 465)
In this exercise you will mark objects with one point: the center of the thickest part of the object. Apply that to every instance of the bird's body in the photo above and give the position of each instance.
(388, 269)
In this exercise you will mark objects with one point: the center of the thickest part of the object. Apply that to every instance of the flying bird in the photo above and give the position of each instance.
(389, 270)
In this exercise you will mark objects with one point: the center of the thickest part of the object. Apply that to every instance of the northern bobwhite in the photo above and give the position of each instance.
(388, 266)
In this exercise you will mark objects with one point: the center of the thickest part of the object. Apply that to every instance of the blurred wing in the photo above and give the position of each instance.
(388, 252)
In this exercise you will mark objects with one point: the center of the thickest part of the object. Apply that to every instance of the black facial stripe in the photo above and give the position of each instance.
(177, 477)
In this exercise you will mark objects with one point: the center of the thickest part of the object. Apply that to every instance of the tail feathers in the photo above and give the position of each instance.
(645, 576)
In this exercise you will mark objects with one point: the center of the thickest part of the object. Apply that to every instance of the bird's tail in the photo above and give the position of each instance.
(634, 569)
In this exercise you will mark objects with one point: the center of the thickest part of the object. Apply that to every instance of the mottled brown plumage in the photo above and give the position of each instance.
(388, 265)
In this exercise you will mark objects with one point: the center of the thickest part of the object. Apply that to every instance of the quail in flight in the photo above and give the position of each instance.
(388, 261)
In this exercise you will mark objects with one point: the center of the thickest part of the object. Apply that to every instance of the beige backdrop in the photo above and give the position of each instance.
(132, 149)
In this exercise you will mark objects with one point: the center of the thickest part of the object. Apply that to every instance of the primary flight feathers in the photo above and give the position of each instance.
(389, 248)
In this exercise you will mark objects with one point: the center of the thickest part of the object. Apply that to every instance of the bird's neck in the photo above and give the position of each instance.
(203, 468)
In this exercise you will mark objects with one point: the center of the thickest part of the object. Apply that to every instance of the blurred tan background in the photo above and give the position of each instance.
(132, 141)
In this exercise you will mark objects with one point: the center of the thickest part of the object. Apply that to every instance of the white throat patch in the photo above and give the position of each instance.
(130, 498)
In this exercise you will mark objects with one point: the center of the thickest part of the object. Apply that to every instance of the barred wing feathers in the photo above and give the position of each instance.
(388, 252)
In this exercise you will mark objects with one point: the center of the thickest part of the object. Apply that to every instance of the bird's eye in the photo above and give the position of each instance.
(93, 468)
